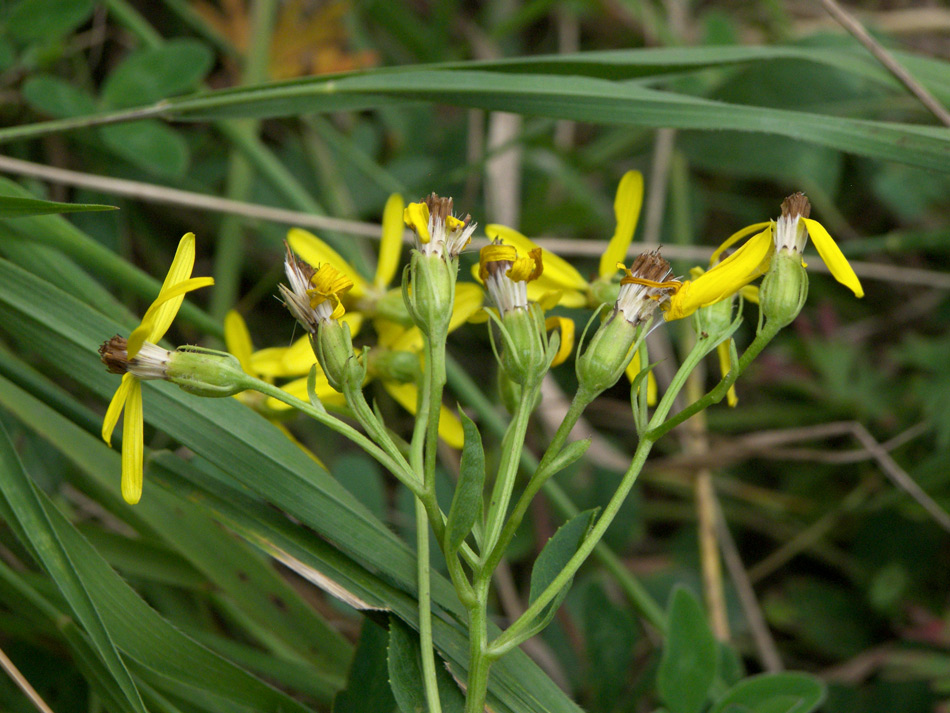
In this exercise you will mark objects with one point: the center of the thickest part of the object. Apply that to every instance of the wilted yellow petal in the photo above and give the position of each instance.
(633, 369)
(832, 256)
(557, 270)
(416, 216)
(115, 407)
(390, 246)
(314, 251)
(133, 444)
(627, 206)
(566, 327)
(238, 340)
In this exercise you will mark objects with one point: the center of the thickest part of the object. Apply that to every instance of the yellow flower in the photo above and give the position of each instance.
(363, 294)
(789, 233)
(561, 283)
(128, 397)
(437, 231)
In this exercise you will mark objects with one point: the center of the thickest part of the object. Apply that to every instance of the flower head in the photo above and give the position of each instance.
(644, 287)
(314, 293)
(437, 231)
(139, 358)
(787, 235)
(506, 275)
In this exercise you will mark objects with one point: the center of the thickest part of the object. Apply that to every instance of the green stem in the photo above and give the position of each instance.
(512, 446)
(435, 373)
(718, 392)
(512, 636)
(541, 475)
(479, 662)
(430, 684)
(356, 400)
(636, 593)
(397, 467)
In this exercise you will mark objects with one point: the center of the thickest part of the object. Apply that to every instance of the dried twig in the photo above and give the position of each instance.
(851, 24)
(14, 673)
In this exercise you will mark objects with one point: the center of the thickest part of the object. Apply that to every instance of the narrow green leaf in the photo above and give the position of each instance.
(568, 455)
(690, 656)
(467, 501)
(155, 73)
(19, 207)
(24, 508)
(786, 692)
(558, 550)
(405, 673)
(368, 686)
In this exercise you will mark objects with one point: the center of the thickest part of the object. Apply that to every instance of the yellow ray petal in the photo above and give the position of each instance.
(407, 395)
(238, 340)
(627, 206)
(725, 366)
(566, 327)
(469, 298)
(133, 444)
(557, 270)
(316, 252)
(540, 288)
(734, 238)
(298, 387)
(390, 246)
(161, 313)
(633, 369)
(294, 360)
(115, 407)
(416, 216)
(832, 256)
(724, 279)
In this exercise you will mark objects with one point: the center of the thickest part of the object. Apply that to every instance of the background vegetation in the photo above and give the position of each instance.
(725, 108)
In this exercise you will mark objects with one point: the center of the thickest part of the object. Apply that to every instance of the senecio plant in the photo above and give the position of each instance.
(330, 301)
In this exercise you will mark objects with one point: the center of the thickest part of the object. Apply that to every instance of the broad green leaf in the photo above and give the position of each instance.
(155, 73)
(46, 19)
(150, 145)
(19, 207)
(467, 501)
(558, 550)
(690, 656)
(56, 97)
(404, 664)
(368, 686)
(786, 692)
(23, 509)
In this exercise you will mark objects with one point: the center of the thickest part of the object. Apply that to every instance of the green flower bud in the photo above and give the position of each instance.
(400, 366)
(784, 288)
(205, 372)
(430, 293)
(524, 358)
(604, 292)
(715, 319)
(607, 355)
(333, 348)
